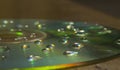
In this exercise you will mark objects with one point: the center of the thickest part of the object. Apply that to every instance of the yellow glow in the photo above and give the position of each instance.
(50, 67)
(55, 67)
(39, 26)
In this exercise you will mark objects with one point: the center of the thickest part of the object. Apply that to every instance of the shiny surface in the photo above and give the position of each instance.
(101, 12)
(101, 43)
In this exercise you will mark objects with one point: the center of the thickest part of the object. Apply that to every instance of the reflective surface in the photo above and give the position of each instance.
(61, 44)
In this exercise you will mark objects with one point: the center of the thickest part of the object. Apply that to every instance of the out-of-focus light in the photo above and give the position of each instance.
(36, 23)
(61, 30)
(19, 33)
(39, 26)
(69, 26)
(4, 25)
(11, 21)
(26, 26)
(82, 31)
(5, 22)
(71, 23)
(12, 30)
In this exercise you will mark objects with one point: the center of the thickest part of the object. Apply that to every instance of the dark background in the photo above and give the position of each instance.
(104, 12)
(108, 7)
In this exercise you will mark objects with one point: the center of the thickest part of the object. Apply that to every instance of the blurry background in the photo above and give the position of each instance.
(99, 11)
(103, 12)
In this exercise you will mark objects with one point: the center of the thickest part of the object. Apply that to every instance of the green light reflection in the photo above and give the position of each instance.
(19, 33)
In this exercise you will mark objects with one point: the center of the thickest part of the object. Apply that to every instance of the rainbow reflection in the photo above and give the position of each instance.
(54, 67)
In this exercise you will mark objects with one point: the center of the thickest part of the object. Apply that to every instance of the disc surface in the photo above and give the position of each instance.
(55, 44)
